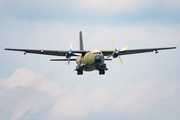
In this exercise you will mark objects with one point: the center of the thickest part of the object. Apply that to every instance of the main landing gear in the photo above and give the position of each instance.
(101, 72)
(79, 72)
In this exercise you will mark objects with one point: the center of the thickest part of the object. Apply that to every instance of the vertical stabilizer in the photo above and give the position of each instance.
(81, 41)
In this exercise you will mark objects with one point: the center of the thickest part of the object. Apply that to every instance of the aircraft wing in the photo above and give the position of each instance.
(135, 51)
(48, 52)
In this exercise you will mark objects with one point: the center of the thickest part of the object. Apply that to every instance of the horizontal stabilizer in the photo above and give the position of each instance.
(62, 59)
(67, 59)
(107, 59)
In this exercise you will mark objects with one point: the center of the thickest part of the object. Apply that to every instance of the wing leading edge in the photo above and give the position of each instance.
(48, 52)
(135, 51)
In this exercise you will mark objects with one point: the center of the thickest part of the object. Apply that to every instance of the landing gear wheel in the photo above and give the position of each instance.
(101, 72)
(79, 72)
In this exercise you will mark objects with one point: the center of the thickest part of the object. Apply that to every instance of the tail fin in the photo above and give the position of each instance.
(81, 41)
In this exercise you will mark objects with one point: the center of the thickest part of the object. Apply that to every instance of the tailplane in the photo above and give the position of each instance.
(81, 41)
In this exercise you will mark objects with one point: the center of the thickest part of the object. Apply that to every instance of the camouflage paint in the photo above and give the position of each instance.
(88, 60)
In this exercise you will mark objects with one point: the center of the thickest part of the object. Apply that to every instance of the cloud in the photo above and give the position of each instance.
(126, 35)
(112, 6)
(120, 6)
(105, 7)
(72, 105)
(26, 94)
(28, 79)
(26, 91)
(55, 33)
(131, 98)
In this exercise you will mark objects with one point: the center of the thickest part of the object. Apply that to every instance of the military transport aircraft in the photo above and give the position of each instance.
(89, 60)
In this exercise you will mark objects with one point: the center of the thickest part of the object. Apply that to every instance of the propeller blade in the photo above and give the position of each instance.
(120, 59)
(69, 61)
(113, 45)
(109, 55)
(71, 45)
(124, 49)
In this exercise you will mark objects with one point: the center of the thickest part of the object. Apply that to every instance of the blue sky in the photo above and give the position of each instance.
(146, 86)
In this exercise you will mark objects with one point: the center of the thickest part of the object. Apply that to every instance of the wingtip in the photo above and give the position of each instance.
(172, 47)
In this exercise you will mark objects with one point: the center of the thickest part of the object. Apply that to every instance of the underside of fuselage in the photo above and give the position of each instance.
(89, 68)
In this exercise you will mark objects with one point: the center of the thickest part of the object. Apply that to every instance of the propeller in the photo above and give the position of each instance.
(69, 53)
(115, 54)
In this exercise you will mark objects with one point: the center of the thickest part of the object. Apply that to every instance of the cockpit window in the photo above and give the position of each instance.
(96, 52)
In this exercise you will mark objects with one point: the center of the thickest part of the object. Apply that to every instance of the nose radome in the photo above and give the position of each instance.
(97, 59)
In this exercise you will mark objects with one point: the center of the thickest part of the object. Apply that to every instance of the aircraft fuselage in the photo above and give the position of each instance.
(93, 60)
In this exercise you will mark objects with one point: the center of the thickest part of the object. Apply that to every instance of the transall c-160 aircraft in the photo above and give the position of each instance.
(89, 60)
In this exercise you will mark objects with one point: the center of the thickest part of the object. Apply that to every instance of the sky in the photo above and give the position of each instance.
(145, 87)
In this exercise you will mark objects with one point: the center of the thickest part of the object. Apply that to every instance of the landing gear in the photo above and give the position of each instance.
(79, 72)
(101, 72)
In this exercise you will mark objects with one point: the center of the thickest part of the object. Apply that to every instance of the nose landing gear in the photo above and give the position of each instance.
(79, 72)
(101, 72)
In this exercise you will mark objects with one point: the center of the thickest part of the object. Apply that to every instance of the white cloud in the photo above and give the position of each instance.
(123, 6)
(92, 6)
(30, 93)
(132, 98)
(115, 6)
(56, 35)
(27, 91)
(112, 6)
(136, 34)
(72, 105)
(28, 79)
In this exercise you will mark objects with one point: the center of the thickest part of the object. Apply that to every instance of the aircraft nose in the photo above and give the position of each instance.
(97, 59)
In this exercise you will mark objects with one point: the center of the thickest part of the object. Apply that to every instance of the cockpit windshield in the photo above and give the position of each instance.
(99, 53)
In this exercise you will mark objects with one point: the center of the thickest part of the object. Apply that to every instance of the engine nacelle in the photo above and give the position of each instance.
(68, 54)
(115, 54)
